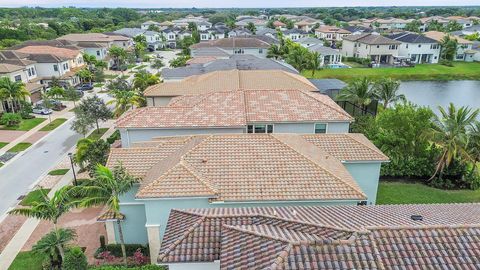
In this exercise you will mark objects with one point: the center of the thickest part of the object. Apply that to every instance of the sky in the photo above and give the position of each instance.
(232, 3)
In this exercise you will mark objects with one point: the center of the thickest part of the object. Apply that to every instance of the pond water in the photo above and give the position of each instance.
(441, 93)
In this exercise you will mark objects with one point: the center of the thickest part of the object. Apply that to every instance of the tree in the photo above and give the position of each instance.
(47, 102)
(82, 124)
(85, 75)
(449, 48)
(56, 92)
(80, 156)
(315, 62)
(106, 189)
(118, 54)
(435, 26)
(386, 90)
(274, 52)
(180, 61)
(12, 91)
(96, 153)
(75, 259)
(140, 46)
(50, 209)
(413, 26)
(90, 60)
(359, 92)
(71, 94)
(143, 79)
(124, 100)
(453, 26)
(449, 133)
(251, 27)
(52, 243)
(157, 64)
(10, 119)
(93, 109)
(298, 56)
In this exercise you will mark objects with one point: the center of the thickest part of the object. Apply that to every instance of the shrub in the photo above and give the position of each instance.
(10, 119)
(75, 259)
(102, 242)
(115, 136)
(116, 249)
(26, 110)
(445, 62)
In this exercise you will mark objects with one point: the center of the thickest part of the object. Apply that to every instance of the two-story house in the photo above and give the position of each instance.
(380, 49)
(331, 33)
(294, 34)
(418, 48)
(234, 45)
(464, 47)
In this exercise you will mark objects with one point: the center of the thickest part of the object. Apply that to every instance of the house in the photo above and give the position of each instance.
(240, 62)
(418, 48)
(327, 54)
(379, 49)
(240, 170)
(280, 25)
(201, 22)
(110, 39)
(428, 20)
(430, 236)
(155, 40)
(463, 21)
(468, 31)
(240, 32)
(258, 23)
(331, 33)
(294, 34)
(390, 24)
(234, 45)
(330, 87)
(272, 33)
(130, 32)
(99, 50)
(306, 24)
(464, 47)
(170, 35)
(355, 30)
(309, 41)
(146, 25)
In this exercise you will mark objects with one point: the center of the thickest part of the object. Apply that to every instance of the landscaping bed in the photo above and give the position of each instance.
(58, 172)
(416, 193)
(55, 123)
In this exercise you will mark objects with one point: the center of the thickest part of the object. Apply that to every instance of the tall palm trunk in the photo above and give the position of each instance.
(122, 242)
(59, 246)
(13, 103)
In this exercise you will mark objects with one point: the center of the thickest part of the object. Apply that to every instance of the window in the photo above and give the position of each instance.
(55, 67)
(239, 51)
(393, 47)
(320, 128)
(419, 45)
(260, 50)
(260, 129)
(18, 78)
(98, 53)
(33, 71)
(434, 46)
(29, 72)
(406, 46)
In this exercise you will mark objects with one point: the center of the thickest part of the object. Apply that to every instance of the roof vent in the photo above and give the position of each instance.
(416, 217)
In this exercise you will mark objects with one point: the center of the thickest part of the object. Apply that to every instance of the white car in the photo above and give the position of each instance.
(42, 111)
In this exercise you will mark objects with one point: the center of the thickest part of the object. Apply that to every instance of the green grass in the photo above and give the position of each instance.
(410, 193)
(58, 172)
(2, 144)
(98, 85)
(55, 123)
(124, 77)
(130, 66)
(460, 71)
(140, 67)
(110, 76)
(33, 196)
(27, 260)
(26, 124)
(95, 135)
(20, 147)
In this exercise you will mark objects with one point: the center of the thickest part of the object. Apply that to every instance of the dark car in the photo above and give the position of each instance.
(85, 87)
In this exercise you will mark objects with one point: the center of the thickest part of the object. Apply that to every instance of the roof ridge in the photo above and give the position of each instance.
(375, 149)
(423, 227)
(203, 179)
(180, 239)
(237, 228)
(318, 165)
(281, 258)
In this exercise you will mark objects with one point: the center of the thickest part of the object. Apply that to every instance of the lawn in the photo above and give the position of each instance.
(19, 147)
(2, 144)
(58, 172)
(98, 85)
(409, 193)
(33, 196)
(140, 67)
(26, 124)
(55, 123)
(97, 135)
(27, 260)
(460, 71)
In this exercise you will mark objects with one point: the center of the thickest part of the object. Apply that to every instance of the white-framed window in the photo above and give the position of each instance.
(260, 128)
(55, 67)
(260, 50)
(18, 78)
(434, 46)
(98, 53)
(239, 51)
(320, 128)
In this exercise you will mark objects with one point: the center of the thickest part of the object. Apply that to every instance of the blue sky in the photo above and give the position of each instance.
(230, 3)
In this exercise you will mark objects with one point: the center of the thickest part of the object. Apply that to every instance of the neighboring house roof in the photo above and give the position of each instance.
(278, 24)
(331, 29)
(294, 31)
(47, 58)
(130, 32)
(371, 39)
(86, 44)
(240, 167)
(362, 29)
(323, 50)
(412, 38)
(9, 68)
(240, 62)
(328, 84)
(309, 40)
(438, 36)
(233, 42)
(236, 109)
(265, 31)
(329, 237)
(228, 80)
(92, 37)
(57, 51)
(211, 52)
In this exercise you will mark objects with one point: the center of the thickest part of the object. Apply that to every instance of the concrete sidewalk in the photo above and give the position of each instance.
(15, 245)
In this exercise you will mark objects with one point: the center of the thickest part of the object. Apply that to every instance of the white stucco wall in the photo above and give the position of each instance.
(195, 266)
(409, 49)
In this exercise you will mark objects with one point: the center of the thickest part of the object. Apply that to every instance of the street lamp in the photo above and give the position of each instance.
(73, 169)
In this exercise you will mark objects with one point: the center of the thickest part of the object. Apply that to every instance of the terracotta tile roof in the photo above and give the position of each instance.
(438, 36)
(236, 109)
(219, 81)
(332, 29)
(334, 237)
(8, 68)
(233, 42)
(60, 52)
(347, 147)
(371, 39)
(243, 167)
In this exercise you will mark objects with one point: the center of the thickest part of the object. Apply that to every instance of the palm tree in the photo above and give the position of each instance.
(56, 92)
(50, 242)
(449, 134)
(106, 189)
(474, 142)
(143, 79)
(298, 57)
(157, 64)
(124, 100)
(274, 52)
(386, 90)
(90, 60)
(448, 47)
(13, 91)
(85, 75)
(50, 209)
(81, 152)
(119, 54)
(315, 62)
(359, 92)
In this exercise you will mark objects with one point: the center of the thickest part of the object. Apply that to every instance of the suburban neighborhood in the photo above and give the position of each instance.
(218, 138)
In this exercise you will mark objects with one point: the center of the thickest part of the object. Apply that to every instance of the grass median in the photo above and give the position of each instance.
(54, 124)
(19, 147)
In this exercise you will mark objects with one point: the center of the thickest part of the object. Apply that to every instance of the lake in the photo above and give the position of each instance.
(441, 93)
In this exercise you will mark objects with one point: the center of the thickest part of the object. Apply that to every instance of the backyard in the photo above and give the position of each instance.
(460, 71)
(410, 193)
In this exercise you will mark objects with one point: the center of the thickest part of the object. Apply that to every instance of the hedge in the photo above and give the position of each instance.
(116, 249)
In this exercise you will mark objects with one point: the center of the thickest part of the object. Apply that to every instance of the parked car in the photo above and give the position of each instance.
(80, 93)
(85, 87)
(41, 110)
